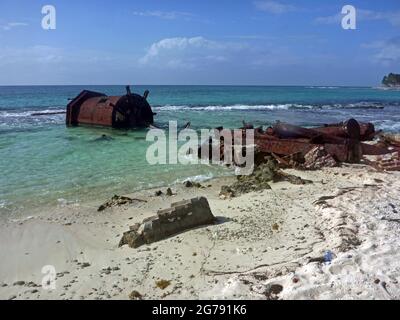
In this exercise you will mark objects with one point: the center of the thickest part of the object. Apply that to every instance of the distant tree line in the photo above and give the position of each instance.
(391, 80)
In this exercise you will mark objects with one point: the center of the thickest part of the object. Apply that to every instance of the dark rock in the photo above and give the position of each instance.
(188, 184)
(158, 193)
(104, 137)
(162, 284)
(227, 192)
(32, 284)
(19, 283)
(118, 201)
(169, 192)
(191, 184)
(317, 259)
(135, 295)
(259, 180)
(272, 291)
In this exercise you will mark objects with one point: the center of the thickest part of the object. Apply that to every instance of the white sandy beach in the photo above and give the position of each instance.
(266, 245)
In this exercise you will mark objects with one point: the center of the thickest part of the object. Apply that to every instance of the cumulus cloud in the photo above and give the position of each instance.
(200, 53)
(274, 7)
(11, 25)
(184, 52)
(168, 15)
(363, 15)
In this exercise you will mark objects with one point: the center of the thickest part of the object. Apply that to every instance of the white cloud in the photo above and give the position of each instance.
(185, 52)
(168, 15)
(10, 25)
(274, 7)
(364, 15)
(204, 54)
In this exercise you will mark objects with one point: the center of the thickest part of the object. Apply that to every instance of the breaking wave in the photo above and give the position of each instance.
(198, 178)
(36, 112)
(388, 125)
(30, 113)
(326, 87)
(270, 107)
(232, 107)
(20, 119)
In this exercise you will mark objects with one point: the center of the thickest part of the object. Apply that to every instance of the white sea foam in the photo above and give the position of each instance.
(269, 107)
(197, 178)
(317, 87)
(388, 125)
(40, 113)
(234, 107)
(29, 113)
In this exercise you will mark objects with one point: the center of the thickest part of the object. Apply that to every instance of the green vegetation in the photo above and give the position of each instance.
(391, 80)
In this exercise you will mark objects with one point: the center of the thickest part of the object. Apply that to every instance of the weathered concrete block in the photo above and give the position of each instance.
(181, 216)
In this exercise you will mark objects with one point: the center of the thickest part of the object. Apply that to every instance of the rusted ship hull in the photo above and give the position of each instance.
(98, 109)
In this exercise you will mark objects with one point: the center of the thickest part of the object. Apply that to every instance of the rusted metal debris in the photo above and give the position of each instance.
(295, 146)
(94, 108)
(388, 162)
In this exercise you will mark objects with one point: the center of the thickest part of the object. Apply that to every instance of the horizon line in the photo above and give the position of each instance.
(199, 85)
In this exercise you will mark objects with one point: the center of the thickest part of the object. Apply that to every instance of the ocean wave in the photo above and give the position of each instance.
(199, 178)
(387, 88)
(236, 107)
(270, 107)
(323, 87)
(358, 105)
(30, 113)
(388, 125)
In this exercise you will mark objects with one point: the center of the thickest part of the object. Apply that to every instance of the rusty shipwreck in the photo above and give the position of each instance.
(304, 148)
(97, 109)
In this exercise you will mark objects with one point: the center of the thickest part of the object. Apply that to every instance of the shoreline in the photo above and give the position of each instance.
(56, 204)
(263, 240)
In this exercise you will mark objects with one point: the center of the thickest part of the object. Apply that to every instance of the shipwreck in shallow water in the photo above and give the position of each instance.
(313, 148)
(94, 108)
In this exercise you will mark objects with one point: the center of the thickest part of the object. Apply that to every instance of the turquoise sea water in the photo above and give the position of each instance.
(44, 164)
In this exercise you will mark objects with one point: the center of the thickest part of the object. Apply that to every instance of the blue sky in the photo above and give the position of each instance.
(258, 42)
